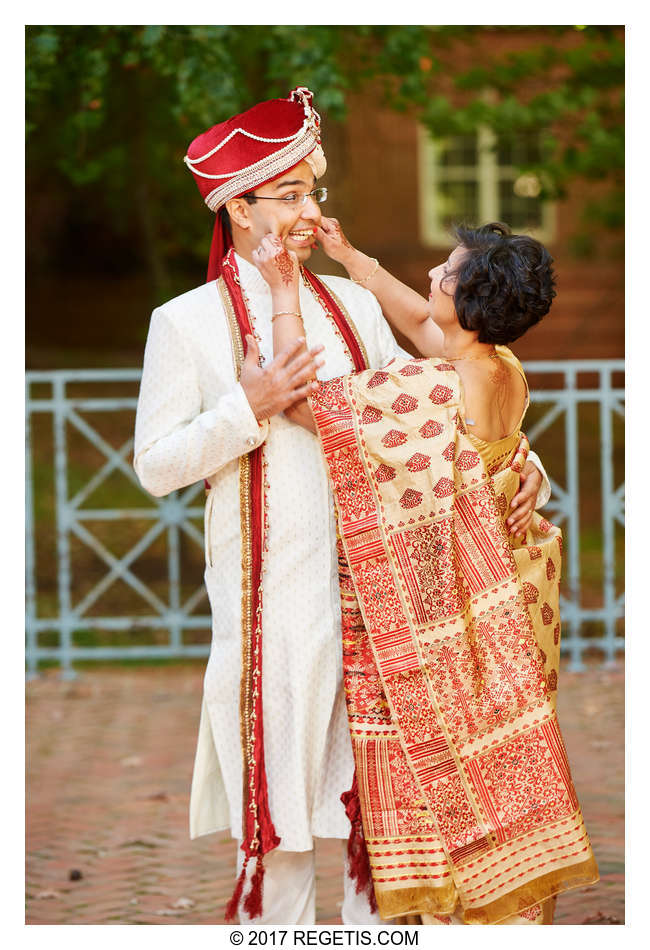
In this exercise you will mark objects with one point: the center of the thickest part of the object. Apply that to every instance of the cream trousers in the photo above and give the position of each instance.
(290, 891)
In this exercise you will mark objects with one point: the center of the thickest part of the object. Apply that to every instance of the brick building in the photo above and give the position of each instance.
(395, 191)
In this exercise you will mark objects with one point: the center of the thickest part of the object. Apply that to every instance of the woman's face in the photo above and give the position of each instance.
(441, 298)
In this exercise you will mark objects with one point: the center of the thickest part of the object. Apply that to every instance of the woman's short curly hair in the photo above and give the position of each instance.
(504, 284)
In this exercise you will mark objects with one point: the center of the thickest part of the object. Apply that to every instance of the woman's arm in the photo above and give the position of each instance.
(281, 270)
(403, 307)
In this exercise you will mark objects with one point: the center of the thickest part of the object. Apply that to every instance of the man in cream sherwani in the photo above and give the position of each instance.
(195, 420)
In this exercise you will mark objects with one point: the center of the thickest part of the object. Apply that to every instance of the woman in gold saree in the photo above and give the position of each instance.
(450, 625)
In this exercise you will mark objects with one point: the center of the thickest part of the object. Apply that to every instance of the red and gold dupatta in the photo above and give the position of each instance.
(451, 645)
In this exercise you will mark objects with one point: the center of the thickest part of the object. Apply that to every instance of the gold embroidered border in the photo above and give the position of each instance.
(330, 317)
(427, 899)
(351, 324)
(246, 565)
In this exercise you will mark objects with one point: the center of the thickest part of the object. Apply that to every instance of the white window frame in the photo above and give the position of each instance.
(487, 173)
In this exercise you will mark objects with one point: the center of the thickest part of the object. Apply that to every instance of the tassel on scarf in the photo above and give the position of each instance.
(253, 901)
(233, 903)
(359, 861)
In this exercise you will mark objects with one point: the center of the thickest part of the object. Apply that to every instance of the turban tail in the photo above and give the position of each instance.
(221, 244)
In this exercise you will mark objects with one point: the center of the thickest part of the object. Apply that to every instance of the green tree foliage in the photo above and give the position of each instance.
(110, 110)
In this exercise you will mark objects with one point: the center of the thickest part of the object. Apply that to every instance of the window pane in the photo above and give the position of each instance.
(457, 201)
(520, 151)
(460, 150)
(522, 214)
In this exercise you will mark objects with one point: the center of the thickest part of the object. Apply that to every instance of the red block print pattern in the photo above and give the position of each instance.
(531, 913)
(331, 396)
(467, 460)
(377, 594)
(418, 462)
(408, 691)
(488, 676)
(449, 452)
(354, 492)
(364, 693)
(550, 569)
(387, 784)
(454, 814)
(425, 557)
(369, 415)
(377, 380)
(547, 614)
(443, 488)
(531, 594)
(410, 498)
(440, 395)
(404, 404)
(525, 782)
(385, 473)
(393, 438)
(430, 429)
(482, 546)
(411, 369)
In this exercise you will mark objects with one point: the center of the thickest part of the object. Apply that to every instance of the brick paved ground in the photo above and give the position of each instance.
(109, 764)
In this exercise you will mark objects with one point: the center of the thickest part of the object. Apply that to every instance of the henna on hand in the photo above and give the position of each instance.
(341, 235)
(284, 264)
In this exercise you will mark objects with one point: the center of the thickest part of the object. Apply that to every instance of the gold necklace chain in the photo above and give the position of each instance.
(484, 356)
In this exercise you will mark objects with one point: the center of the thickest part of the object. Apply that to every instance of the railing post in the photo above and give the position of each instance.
(573, 518)
(30, 548)
(607, 490)
(62, 526)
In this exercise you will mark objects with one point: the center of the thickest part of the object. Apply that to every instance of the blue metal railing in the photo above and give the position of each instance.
(172, 516)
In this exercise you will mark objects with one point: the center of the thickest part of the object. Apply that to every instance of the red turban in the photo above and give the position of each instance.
(251, 149)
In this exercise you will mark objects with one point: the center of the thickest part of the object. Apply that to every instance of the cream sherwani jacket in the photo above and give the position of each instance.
(193, 422)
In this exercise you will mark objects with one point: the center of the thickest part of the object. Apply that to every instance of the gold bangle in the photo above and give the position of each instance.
(370, 275)
(290, 313)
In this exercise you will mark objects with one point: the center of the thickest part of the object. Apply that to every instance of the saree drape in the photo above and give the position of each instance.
(451, 648)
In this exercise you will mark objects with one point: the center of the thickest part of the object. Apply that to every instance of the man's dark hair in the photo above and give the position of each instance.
(504, 284)
(225, 220)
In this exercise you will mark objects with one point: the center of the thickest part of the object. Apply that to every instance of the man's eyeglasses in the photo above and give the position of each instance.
(293, 200)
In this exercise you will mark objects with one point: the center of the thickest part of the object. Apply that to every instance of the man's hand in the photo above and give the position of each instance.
(290, 377)
(522, 505)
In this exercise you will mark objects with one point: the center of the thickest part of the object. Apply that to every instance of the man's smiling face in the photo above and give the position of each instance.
(294, 223)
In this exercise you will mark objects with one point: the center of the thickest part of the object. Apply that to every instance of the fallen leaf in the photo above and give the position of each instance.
(131, 761)
(47, 895)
